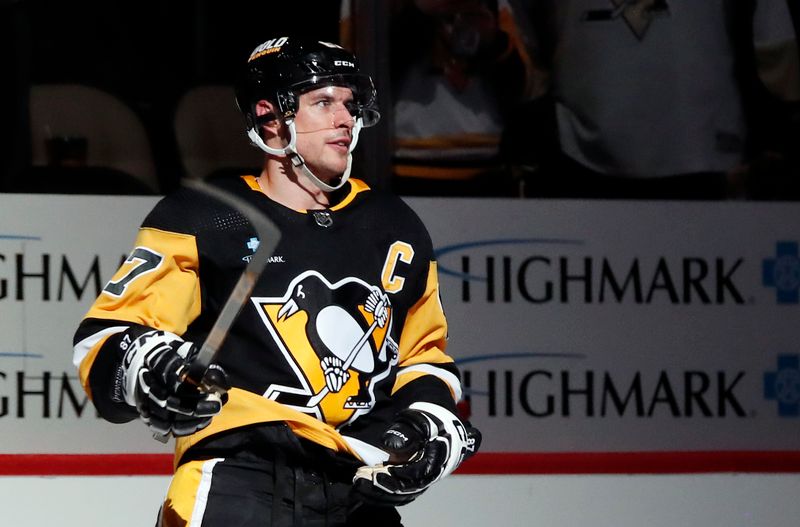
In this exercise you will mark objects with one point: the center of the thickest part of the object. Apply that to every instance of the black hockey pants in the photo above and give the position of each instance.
(272, 488)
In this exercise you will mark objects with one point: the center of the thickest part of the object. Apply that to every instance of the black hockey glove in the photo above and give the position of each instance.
(151, 382)
(426, 443)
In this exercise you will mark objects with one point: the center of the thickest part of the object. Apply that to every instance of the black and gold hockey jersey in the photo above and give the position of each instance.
(343, 329)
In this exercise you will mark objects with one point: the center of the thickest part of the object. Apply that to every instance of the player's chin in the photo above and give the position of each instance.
(334, 165)
(329, 172)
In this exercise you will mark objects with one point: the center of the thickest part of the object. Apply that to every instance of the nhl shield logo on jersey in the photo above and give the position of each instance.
(336, 338)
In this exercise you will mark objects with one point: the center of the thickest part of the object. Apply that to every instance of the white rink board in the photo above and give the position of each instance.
(687, 346)
(547, 341)
(718, 500)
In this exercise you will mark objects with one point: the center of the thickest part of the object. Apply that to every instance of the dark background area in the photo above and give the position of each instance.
(147, 53)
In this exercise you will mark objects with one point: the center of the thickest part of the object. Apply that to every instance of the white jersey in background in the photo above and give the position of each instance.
(646, 88)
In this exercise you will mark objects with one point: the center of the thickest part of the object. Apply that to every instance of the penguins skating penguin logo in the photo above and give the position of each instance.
(337, 340)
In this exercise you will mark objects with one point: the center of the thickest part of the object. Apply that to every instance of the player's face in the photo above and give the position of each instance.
(324, 130)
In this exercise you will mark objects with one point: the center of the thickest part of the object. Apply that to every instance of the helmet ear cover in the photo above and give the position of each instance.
(287, 103)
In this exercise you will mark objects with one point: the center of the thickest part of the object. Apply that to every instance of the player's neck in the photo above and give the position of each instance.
(284, 184)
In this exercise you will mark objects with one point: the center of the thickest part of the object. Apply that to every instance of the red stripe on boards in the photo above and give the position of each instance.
(632, 462)
(85, 464)
(489, 463)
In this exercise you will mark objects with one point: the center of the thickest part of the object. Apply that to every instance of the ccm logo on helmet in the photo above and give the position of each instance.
(344, 63)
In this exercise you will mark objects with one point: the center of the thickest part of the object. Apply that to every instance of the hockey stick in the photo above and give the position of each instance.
(198, 371)
(268, 238)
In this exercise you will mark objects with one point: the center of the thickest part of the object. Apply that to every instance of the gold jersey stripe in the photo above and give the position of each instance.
(402, 380)
(246, 408)
(466, 140)
(356, 186)
(436, 172)
(424, 335)
(166, 297)
(183, 491)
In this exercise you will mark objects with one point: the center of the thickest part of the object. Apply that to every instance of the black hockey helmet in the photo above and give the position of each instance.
(281, 69)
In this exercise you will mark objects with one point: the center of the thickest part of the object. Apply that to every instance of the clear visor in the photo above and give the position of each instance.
(363, 105)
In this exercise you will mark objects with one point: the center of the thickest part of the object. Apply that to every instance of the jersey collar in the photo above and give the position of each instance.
(354, 187)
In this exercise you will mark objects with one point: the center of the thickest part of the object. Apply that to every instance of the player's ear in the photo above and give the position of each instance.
(268, 118)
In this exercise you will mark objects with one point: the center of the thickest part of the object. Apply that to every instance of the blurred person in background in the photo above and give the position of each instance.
(667, 98)
(457, 68)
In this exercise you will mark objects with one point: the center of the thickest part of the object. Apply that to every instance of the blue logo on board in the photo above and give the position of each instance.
(783, 272)
(783, 385)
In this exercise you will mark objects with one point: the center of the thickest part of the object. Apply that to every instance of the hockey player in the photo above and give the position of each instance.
(341, 400)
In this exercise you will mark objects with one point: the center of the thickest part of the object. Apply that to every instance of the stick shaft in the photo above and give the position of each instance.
(268, 237)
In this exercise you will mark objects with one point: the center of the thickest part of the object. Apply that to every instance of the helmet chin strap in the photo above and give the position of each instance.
(290, 151)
